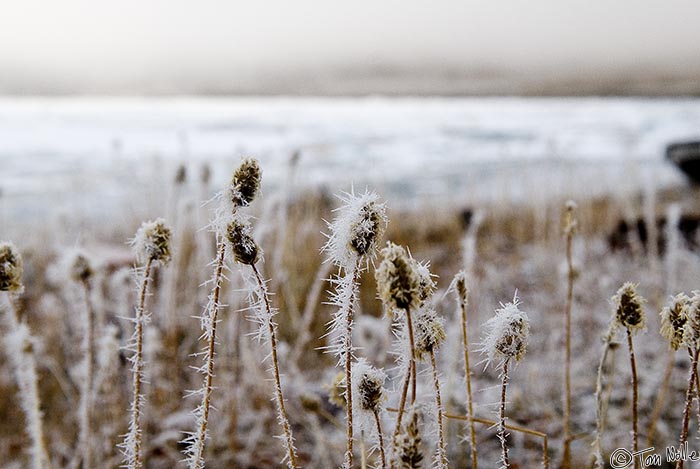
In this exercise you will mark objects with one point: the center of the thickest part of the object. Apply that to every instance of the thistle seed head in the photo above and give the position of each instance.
(245, 183)
(507, 332)
(205, 174)
(460, 286)
(368, 385)
(181, 175)
(398, 283)
(426, 284)
(409, 442)
(152, 241)
(629, 312)
(11, 268)
(244, 248)
(356, 230)
(570, 222)
(310, 402)
(430, 332)
(80, 268)
(673, 320)
(691, 334)
(336, 390)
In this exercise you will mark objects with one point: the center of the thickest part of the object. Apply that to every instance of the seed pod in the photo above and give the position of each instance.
(356, 230)
(691, 333)
(368, 384)
(11, 268)
(80, 268)
(460, 286)
(152, 241)
(244, 248)
(181, 175)
(245, 183)
(426, 284)
(366, 228)
(430, 332)
(410, 450)
(673, 320)
(628, 308)
(398, 283)
(507, 332)
(336, 390)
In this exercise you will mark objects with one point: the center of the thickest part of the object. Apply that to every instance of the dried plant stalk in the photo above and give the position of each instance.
(281, 410)
(133, 442)
(462, 295)
(569, 232)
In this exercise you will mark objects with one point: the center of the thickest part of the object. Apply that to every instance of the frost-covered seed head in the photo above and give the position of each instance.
(673, 320)
(205, 174)
(570, 222)
(152, 241)
(691, 334)
(310, 402)
(368, 383)
(410, 451)
(398, 283)
(181, 175)
(244, 248)
(426, 284)
(507, 332)
(430, 332)
(460, 283)
(80, 268)
(629, 312)
(356, 230)
(10, 268)
(245, 183)
(368, 227)
(336, 390)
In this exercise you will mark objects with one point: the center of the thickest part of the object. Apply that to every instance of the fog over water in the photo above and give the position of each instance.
(390, 47)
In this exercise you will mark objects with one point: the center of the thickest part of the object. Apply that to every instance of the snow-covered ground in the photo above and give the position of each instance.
(56, 150)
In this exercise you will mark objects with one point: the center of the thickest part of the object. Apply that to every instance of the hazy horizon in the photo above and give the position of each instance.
(312, 48)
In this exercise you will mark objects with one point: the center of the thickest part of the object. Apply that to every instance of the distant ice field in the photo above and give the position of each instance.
(98, 151)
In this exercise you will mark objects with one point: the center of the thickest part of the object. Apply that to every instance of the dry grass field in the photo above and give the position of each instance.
(67, 378)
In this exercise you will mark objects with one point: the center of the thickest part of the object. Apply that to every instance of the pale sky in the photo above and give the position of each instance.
(360, 46)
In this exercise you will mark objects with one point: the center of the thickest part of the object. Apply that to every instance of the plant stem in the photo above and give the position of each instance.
(136, 431)
(688, 402)
(86, 404)
(566, 463)
(197, 461)
(600, 406)
(24, 363)
(291, 452)
(413, 355)
(407, 379)
(502, 416)
(635, 397)
(442, 452)
(468, 374)
(381, 437)
(347, 346)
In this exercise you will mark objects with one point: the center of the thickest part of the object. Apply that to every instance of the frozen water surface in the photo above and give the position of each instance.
(98, 149)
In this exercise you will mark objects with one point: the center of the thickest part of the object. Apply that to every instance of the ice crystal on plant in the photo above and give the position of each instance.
(673, 320)
(506, 332)
(11, 268)
(152, 241)
(354, 232)
(629, 312)
(398, 281)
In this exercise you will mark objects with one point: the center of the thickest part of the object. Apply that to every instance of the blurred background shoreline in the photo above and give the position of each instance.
(95, 151)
